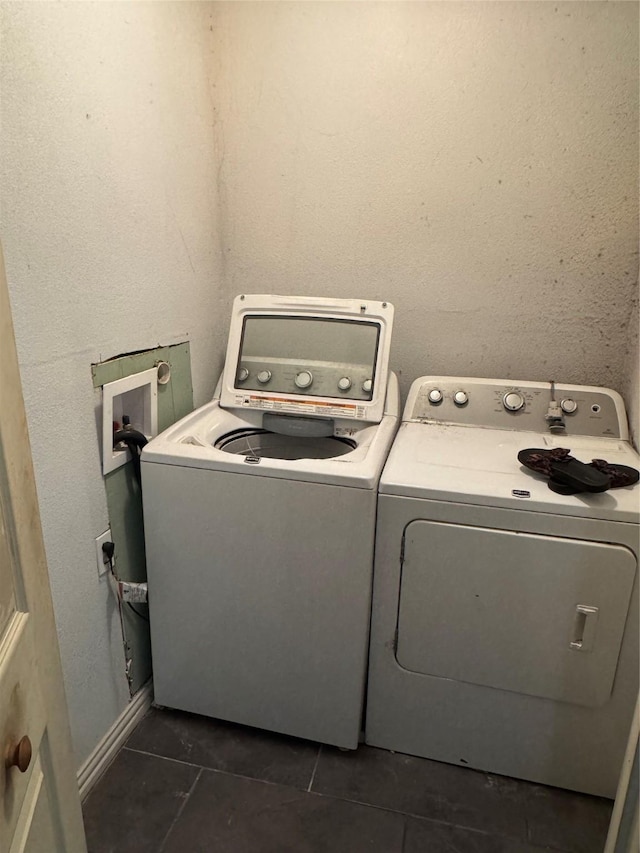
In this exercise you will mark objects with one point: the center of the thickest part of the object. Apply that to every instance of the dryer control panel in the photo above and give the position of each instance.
(505, 404)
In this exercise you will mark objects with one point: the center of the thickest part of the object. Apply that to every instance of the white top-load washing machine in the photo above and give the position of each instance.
(259, 514)
(504, 628)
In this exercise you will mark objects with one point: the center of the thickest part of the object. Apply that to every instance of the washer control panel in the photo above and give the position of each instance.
(532, 406)
(308, 356)
(324, 379)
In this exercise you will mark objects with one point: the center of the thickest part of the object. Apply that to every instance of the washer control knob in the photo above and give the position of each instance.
(344, 384)
(569, 406)
(435, 396)
(367, 385)
(304, 379)
(264, 376)
(461, 398)
(243, 374)
(513, 401)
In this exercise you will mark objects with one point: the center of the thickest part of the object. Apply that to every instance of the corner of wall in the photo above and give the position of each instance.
(632, 378)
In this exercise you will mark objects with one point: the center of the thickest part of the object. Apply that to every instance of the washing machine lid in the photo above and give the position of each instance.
(473, 465)
(312, 357)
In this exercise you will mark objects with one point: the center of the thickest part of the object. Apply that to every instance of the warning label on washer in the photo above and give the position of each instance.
(302, 407)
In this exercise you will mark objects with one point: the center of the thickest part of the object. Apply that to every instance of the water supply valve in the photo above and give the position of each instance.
(555, 414)
(555, 417)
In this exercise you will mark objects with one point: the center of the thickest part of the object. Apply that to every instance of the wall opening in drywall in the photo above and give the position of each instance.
(124, 497)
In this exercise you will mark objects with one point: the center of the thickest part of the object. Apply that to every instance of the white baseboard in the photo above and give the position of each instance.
(108, 748)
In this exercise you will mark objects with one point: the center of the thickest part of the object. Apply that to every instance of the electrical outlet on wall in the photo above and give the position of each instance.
(101, 562)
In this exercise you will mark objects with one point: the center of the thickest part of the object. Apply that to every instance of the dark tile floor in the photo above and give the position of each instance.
(187, 784)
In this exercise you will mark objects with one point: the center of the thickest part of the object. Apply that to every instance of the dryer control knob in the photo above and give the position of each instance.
(569, 406)
(304, 379)
(435, 396)
(344, 384)
(367, 385)
(461, 398)
(264, 376)
(513, 401)
(243, 374)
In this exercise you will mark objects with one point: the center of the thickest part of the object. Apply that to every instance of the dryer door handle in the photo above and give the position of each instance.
(584, 628)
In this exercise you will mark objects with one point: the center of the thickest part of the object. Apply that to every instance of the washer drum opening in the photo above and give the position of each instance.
(270, 445)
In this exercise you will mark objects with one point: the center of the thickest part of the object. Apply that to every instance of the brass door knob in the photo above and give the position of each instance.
(19, 754)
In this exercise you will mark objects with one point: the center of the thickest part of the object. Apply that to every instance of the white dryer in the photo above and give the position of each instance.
(259, 516)
(504, 630)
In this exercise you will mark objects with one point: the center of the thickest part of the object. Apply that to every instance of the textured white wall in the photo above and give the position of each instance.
(631, 389)
(109, 224)
(474, 163)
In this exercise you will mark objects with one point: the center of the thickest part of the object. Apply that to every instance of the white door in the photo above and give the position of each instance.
(624, 831)
(40, 807)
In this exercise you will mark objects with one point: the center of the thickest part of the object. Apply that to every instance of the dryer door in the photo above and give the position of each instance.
(540, 615)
